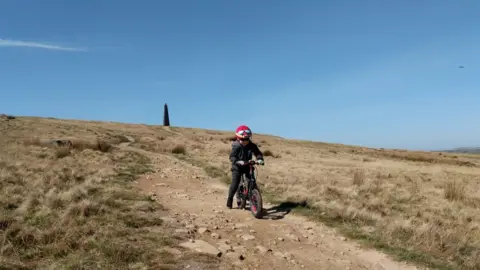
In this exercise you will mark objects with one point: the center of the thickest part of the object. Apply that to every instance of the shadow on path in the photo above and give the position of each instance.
(281, 210)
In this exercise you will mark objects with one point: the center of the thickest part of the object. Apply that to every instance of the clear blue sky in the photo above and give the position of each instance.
(375, 73)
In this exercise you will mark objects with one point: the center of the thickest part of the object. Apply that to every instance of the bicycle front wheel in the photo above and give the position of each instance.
(256, 203)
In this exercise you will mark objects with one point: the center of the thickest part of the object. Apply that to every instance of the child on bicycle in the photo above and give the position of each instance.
(242, 151)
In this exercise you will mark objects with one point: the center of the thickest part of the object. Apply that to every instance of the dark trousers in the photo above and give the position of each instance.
(236, 177)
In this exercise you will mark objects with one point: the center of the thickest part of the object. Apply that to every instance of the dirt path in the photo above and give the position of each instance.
(279, 241)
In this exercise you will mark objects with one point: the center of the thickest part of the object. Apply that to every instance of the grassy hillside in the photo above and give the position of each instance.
(75, 207)
(78, 206)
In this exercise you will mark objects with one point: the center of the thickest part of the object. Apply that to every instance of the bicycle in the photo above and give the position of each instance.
(248, 190)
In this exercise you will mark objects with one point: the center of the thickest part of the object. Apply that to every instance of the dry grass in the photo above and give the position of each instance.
(455, 191)
(62, 152)
(427, 157)
(419, 206)
(358, 177)
(73, 206)
(268, 153)
(404, 203)
(417, 213)
(179, 149)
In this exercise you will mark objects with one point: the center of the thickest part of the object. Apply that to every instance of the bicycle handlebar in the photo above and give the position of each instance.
(254, 162)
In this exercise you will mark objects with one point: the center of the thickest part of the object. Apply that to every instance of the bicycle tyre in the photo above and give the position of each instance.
(257, 209)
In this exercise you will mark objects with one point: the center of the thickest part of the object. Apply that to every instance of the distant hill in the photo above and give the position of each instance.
(470, 150)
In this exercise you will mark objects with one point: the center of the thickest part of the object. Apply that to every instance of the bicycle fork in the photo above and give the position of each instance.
(246, 188)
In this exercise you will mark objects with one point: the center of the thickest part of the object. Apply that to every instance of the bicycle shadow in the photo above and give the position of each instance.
(281, 210)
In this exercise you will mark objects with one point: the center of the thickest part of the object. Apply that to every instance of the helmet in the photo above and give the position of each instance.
(243, 133)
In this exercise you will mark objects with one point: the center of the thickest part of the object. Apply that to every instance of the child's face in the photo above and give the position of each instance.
(245, 142)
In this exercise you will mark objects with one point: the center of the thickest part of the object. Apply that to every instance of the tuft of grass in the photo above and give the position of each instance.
(99, 145)
(358, 177)
(121, 139)
(268, 153)
(62, 152)
(454, 191)
(179, 149)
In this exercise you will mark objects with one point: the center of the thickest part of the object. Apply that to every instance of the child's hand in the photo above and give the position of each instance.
(241, 162)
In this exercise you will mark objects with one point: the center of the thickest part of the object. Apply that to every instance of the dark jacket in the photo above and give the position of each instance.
(243, 152)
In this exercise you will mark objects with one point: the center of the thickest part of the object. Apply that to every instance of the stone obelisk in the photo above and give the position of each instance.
(166, 118)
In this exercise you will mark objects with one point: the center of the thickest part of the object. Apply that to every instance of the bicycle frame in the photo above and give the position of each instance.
(250, 184)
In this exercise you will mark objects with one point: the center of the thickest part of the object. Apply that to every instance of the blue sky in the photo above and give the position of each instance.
(373, 73)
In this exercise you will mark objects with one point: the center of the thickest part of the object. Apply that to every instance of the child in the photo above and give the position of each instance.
(242, 151)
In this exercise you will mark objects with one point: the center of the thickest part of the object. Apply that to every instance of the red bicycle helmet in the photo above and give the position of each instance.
(243, 132)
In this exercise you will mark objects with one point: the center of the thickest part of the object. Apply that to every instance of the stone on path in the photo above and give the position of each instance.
(202, 230)
(202, 247)
(247, 237)
(262, 249)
